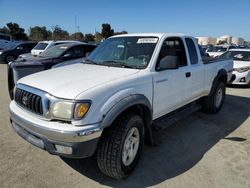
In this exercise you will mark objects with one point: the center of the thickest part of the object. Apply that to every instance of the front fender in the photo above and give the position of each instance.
(122, 105)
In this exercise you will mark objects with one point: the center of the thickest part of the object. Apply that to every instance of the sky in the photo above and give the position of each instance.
(193, 17)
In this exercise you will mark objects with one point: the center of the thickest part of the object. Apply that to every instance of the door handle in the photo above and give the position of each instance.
(162, 80)
(188, 74)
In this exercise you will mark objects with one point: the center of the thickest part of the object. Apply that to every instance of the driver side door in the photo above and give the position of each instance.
(171, 85)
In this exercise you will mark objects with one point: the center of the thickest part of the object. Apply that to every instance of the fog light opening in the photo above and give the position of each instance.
(243, 79)
(63, 149)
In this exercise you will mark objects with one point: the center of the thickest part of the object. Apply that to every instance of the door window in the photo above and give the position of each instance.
(173, 47)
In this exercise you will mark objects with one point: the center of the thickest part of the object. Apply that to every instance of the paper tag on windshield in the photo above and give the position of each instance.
(147, 40)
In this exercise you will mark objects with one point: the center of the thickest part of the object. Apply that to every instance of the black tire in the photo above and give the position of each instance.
(9, 58)
(111, 145)
(209, 103)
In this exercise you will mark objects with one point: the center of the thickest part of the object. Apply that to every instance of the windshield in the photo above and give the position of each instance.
(40, 46)
(237, 55)
(53, 52)
(128, 52)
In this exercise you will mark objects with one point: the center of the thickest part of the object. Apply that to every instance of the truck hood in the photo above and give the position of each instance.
(240, 64)
(69, 81)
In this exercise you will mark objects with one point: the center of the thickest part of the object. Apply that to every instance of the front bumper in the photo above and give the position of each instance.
(241, 78)
(46, 134)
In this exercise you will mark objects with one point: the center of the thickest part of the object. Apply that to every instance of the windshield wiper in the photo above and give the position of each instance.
(88, 61)
(117, 64)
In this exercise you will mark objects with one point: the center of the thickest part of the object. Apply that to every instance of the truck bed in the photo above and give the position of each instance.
(208, 60)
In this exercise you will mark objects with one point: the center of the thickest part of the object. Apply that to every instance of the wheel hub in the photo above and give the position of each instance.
(130, 146)
(218, 98)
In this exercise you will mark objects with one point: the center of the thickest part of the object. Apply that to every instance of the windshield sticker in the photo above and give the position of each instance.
(147, 40)
(239, 56)
(63, 47)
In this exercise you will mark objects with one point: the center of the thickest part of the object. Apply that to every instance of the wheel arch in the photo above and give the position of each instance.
(220, 77)
(136, 103)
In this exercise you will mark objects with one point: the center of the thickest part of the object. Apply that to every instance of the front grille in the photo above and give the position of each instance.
(29, 101)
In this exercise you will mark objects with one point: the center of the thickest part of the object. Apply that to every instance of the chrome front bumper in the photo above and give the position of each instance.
(52, 130)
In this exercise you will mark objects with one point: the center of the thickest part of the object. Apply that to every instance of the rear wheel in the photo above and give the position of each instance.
(120, 147)
(214, 102)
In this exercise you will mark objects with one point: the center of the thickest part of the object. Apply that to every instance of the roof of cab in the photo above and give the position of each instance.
(71, 44)
(151, 35)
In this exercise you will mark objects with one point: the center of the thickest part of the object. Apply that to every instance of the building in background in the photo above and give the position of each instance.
(238, 41)
(207, 40)
(225, 39)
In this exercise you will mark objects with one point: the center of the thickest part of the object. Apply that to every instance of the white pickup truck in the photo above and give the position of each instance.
(109, 104)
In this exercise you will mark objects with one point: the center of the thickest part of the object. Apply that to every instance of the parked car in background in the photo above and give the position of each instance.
(46, 60)
(109, 105)
(217, 50)
(70, 62)
(241, 71)
(11, 54)
(6, 41)
(43, 45)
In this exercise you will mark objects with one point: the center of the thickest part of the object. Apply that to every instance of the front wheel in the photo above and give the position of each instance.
(214, 102)
(120, 147)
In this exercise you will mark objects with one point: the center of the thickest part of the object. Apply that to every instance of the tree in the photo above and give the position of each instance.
(4, 30)
(98, 37)
(16, 32)
(89, 37)
(59, 34)
(221, 42)
(107, 31)
(39, 33)
(120, 33)
(77, 36)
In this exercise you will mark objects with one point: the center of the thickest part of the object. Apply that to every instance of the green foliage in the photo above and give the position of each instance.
(4, 30)
(120, 33)
(89, 37)
(59, 34)
(15, 31)
(107, 31)
(98, 37)
(221, 42)
(77, 36)
(39, 33)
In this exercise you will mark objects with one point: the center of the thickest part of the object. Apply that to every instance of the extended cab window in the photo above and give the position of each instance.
(193, 56)
(173, 47)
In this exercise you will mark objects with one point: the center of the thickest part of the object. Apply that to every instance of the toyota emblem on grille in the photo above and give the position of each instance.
(25, 100)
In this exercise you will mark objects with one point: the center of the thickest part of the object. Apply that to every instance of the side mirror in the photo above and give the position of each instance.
(168, 62)
(87, 54)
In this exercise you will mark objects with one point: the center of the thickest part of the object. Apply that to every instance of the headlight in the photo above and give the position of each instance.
(62, 110)
(69, 110)
(1, 53)
(242, 69)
